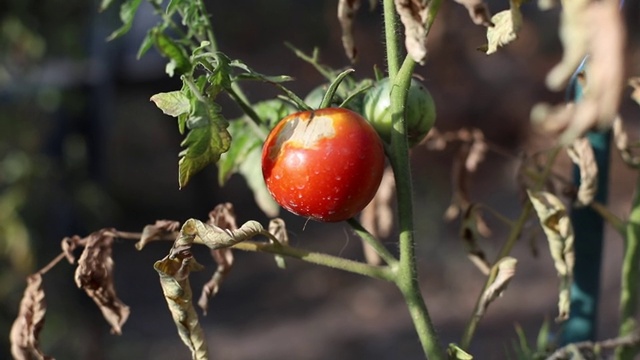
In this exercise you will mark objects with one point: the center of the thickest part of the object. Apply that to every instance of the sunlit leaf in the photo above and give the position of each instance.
(621, 140)
(415, 17)
(456, 353)
(179, 60)
(214, 237)
(507, 24)
(160, 230)
(478, 11)
(251, 169)
(172, 103)
(506, 271)
(557, 227)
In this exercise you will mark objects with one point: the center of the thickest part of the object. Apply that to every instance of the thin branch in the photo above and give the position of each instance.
(567, 351)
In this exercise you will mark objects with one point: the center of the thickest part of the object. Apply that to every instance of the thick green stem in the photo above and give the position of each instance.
(407, 276)
(630, 279)
(336, 262)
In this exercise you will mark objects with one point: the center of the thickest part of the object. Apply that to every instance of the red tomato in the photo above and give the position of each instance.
(324, 164)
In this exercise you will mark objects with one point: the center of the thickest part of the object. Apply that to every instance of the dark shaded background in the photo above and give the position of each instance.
(82, 148)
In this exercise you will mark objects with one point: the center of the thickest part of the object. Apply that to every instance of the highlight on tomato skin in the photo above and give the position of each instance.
(325, 164)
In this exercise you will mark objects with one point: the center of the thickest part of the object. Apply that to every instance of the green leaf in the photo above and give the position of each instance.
(176, 53)
(456, 353)
(127, 12)
(542, 342)
(522, 341)
(220, 78)
(253, 75)
(172, 103)
(243, 142)
(251, 169)
(173, 6)
(207, 139)
(146, 44)
(104, 5)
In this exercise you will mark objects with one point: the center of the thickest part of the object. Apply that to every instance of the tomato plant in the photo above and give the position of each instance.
(325, 164)
(420, 110)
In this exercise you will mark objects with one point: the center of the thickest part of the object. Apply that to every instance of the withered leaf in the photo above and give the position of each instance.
(68, 245)
(346, 13)
(478, 11)
(592, 28)
(222, 216)
(581, 153)
(634, 82)
(174, 279)
(414, 15)
(473, 226)
(214, 237)
(278, 229)
(507, 24)
(157, 231)
(26, 328)
(94, 275)
(621, 140)
(557, 227)
(506, 271)
(377, 216)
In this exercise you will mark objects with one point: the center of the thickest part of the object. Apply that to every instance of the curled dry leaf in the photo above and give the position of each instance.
(377, 217)
(174, 279)
(222, 216)
(581, 153)
(506, 271)
(634, 82)
(278, 229)
(26, 328)
(473, 226)
(507, 24)
(158, 231)
(212, 236)
(557, 227)
(415, 17)
(592, 28)
(346, 12)
(621, 140)
(478, 11)
(94, 275)
(68, 245)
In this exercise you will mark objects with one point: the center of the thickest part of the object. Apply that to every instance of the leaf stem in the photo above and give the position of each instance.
(356, 267)
(373, 242)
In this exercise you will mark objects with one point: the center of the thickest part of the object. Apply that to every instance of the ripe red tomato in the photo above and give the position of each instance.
(324, 164)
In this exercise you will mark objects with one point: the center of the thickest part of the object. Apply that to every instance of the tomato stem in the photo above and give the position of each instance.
(407, 276)
(336, 262)
(384, 253)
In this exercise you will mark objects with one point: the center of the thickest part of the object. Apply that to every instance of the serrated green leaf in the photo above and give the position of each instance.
(249, 73)
(173, 6)
(207, 139)
(173, 103)
(220, 78)
(176, 53)
(127, 13)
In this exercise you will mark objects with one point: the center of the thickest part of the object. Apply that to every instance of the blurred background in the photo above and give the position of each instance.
(83, 148)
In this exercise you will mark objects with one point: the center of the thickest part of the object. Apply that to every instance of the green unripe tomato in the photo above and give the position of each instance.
(314, 98)
(420, 110)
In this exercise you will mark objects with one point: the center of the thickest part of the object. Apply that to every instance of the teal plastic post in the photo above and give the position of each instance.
(589, 232)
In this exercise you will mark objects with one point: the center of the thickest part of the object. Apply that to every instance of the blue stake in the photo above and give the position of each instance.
(589, 231)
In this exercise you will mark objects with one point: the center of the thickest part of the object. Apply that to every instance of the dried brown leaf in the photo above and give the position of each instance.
(414, 15)
(377, 216)
(346, 12)
(94, 275)
(621, 140)
(158, 231)
(507, 24)
(581, 153)
(592, 28)
(25, 332)
(214, 237)
(278, 229)
(506, 271)
(222, 216)
(174, 279)
(68, 245)
(472, 227)
(634, 82)
(477, 151)
(557, 227)
(478, 11)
